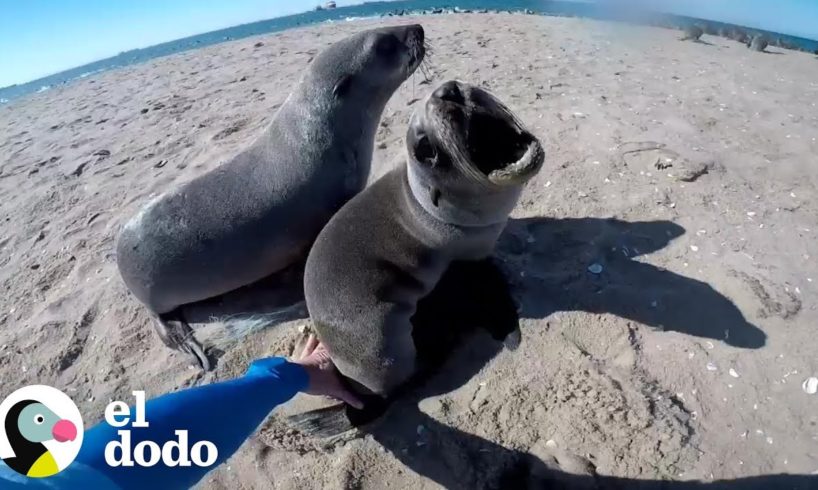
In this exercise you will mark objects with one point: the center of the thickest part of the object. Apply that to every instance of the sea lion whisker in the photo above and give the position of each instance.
(426, 70)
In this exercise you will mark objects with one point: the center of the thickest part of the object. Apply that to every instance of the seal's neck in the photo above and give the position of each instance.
(474, 210)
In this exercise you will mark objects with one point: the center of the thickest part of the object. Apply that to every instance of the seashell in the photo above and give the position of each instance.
(810, 385)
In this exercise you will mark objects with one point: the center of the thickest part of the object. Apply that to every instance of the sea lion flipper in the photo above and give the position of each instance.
(176, 333)
(337, 419)
(323, 422)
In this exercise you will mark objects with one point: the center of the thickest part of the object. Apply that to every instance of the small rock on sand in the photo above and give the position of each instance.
(810, 385)
(691, 171)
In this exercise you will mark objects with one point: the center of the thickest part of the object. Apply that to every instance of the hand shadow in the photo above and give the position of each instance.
(549, 260)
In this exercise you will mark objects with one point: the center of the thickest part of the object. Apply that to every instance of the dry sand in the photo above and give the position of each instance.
(686, 170)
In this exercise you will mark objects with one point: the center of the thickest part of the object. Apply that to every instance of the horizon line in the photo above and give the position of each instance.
(799, 36)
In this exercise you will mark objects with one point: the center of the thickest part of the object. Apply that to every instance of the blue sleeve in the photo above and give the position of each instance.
(77, 475)
(224, 413)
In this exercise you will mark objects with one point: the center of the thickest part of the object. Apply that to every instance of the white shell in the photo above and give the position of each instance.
(711, 366)
(595, 269)
(810, 385)
(733, 373)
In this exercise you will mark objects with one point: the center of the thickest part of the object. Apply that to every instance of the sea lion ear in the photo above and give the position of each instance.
(342, 87)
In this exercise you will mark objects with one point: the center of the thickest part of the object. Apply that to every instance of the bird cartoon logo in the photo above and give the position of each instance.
(41, 431)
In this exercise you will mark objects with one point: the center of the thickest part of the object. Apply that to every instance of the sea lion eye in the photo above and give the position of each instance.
(342, 87)
(39, 419)
(387, 46)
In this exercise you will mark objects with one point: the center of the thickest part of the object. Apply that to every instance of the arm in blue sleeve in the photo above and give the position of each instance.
(224, 413)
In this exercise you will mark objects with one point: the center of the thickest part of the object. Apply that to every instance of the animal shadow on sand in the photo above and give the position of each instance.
(699, 41)
(549, 261)
(459, 460)
(458, 329)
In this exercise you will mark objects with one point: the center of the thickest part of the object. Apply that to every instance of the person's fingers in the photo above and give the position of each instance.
(309, 347)
(350, 398)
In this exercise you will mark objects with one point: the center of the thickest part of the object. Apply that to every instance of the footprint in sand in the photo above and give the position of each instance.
(79, 338)
(233, 128)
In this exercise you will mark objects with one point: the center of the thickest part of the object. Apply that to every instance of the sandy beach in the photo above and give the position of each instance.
(687, 172)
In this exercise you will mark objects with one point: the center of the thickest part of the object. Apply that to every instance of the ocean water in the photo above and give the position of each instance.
(377, 9)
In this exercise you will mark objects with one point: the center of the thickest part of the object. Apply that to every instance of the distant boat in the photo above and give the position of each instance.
(329, 5)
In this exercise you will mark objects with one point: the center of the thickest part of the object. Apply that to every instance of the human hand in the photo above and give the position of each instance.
(324, 379)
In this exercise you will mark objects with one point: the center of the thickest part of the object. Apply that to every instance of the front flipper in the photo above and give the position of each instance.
(176, 333)
(335, 420)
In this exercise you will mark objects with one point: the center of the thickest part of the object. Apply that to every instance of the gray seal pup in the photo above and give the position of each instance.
(259, 212)
(468, 160)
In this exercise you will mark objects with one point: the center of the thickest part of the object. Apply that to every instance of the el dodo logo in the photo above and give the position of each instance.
(40, 431)
(148, 453)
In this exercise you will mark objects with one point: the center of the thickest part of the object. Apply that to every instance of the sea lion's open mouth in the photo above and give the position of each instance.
(487, 141)
(494, 143)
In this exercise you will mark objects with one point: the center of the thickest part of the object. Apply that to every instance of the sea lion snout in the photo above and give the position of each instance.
(480, 135)
(401, 44)
(468, 156)
(413, 37)
(449, 92)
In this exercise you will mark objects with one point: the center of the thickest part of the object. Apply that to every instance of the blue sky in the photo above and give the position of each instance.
(41, 37)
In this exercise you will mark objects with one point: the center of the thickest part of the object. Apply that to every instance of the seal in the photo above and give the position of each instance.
(738, 34)
(258, 213)
(386, 249)
(758, 43)
(692, 33)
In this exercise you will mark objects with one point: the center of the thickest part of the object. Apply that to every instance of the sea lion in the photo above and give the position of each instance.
(758, 43)
(468, 160)
(259, 212)
(737, 34)
(692, 33)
